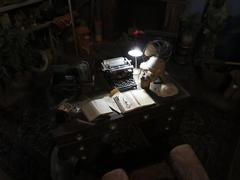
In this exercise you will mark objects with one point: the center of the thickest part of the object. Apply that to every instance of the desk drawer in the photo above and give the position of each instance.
(84, 151)
(79, 134)
(154, 113)
(155, 125)
(115, 142)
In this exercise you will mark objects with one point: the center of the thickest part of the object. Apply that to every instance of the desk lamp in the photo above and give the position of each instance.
(159, 52)
(136, 52)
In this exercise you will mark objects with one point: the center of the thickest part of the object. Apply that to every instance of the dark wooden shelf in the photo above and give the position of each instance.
(18, 5)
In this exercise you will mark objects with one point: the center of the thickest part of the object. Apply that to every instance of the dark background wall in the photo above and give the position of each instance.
(234, 7)
(196, 6)
(227, 47)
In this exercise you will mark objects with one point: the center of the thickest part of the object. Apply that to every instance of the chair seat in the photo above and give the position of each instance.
(116, 174)
(183, 164)
(159, 171)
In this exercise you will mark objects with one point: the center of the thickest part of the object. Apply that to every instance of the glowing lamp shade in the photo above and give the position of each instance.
(135, 52)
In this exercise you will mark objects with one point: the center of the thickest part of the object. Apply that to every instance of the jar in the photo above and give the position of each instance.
(145, 82)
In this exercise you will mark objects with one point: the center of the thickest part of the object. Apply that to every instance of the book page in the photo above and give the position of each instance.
(112, 104)
(101, 106)
(95, 108)
(142, 97)
(125, 101)
(89, 111)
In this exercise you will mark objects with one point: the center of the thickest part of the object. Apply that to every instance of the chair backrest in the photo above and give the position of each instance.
(183, 161)
(186, 164)
(116, 174)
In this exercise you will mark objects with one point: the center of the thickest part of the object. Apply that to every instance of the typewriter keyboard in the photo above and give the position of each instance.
(125, 84)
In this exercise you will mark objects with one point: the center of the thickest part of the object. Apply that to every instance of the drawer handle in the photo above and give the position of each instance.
(79, 137)
(81, 148)
(170, 119)
(113, 126)
(173, 108)
(83, 157)
(167, 128)
(146, 116)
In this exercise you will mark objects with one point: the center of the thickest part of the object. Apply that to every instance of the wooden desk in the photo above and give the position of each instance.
(118, 135)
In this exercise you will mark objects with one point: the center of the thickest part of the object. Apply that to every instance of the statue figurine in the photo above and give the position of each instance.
(153, 70)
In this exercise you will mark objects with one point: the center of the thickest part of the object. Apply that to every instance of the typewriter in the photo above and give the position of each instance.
(119, 73)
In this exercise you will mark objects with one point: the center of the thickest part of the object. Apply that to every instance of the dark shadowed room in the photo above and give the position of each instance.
(119, 90)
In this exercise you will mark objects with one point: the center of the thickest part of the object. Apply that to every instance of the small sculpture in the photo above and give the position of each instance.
(159, 52)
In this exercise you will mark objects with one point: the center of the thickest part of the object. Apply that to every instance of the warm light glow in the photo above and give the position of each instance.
(135, 52)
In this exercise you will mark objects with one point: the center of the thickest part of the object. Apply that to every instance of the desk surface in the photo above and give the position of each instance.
(75, 122)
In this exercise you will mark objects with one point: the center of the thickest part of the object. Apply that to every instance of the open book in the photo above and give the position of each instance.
(95, 108)
(122, 102)
(131, 100)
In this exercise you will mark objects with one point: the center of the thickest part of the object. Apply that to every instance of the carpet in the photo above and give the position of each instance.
(212, 134)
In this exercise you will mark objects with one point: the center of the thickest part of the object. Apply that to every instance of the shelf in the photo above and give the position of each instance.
(18, 5)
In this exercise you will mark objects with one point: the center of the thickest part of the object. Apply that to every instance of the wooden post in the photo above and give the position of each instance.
(109, 17)
(174, 11)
